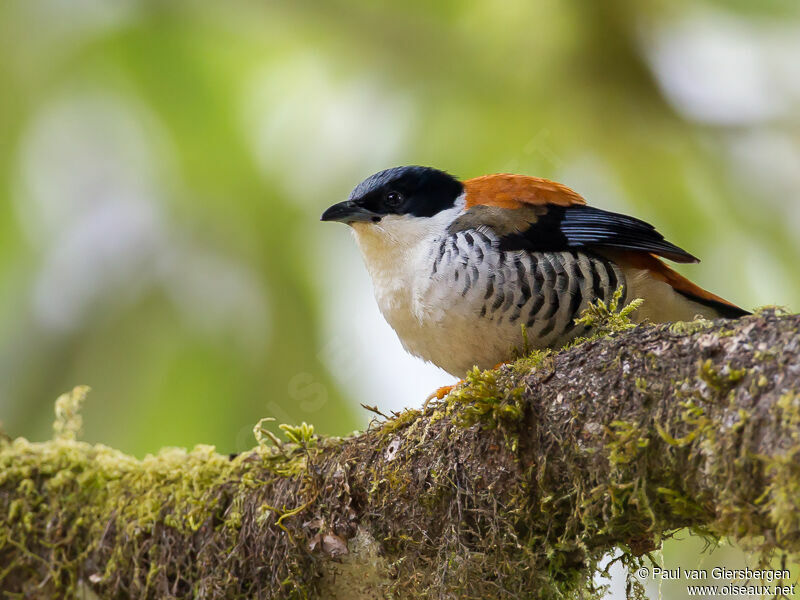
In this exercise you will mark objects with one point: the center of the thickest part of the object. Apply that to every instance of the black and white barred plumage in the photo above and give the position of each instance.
(490, 303)
(544, 291)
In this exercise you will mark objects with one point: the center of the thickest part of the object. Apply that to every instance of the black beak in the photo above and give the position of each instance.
(349, 212)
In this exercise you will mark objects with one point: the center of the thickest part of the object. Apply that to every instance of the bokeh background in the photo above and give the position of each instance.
(163, 166)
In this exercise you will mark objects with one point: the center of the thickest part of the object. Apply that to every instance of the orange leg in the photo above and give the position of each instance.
(440, 393)
(446, 389)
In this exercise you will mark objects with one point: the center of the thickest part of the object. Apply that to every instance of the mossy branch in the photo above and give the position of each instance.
(514, 486)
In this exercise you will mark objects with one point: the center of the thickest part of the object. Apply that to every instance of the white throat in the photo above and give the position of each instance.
(393, 244)
(396, 251)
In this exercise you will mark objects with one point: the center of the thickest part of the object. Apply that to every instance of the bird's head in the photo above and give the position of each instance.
(398, 198)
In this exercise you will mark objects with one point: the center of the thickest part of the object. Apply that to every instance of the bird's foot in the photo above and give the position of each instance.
(439, 394)
(442, 392)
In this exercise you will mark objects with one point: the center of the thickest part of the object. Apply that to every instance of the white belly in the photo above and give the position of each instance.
(457, 339)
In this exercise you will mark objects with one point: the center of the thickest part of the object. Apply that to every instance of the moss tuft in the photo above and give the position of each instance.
(612, 317)
(690, 327)
(68, 422)
(486, 401)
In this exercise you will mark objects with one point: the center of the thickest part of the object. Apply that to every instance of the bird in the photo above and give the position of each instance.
(468, 273)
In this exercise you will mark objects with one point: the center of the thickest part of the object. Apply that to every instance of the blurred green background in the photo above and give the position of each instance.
(163, 166)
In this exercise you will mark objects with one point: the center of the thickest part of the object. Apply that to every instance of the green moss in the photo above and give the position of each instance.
(401, 420)
(486, 401)
(626, 441)
(683, 504)
(780, 498)
(721, 380)
(456, 502)
(533, 360)
(611, 317)
(773, 309)
(690, 327)
(68, 422)
(86, 496)
(302, 435)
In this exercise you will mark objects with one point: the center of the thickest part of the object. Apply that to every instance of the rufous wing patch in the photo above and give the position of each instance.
(660, 271)
(517, 191)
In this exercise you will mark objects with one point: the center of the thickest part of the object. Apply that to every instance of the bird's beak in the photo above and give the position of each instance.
(349, 212)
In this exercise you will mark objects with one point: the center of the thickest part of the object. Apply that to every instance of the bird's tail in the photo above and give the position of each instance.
(647, 275)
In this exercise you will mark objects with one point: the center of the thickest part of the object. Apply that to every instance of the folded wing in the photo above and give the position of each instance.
(537, 215)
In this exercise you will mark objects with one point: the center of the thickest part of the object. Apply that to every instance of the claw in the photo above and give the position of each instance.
(439, 394)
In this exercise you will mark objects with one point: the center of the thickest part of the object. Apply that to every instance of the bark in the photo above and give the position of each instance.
(514, 486)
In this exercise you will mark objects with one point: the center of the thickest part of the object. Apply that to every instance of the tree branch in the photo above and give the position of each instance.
(514, 486)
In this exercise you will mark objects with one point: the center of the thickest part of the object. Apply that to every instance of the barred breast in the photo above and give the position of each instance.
(475, 300)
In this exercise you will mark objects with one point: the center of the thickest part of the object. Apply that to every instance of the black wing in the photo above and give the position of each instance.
(563, 227)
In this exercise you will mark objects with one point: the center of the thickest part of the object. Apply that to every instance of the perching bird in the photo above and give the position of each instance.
(459, 267)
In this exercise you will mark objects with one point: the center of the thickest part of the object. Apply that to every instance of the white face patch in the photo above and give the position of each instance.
(398, 233)
(397, 249)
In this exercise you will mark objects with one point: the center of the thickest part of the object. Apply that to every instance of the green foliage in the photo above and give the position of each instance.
(604, 318)
(302, 435)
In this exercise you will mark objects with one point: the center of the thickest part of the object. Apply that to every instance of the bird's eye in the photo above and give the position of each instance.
(394, 199)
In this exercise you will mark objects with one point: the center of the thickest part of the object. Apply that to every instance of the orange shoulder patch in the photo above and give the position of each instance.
(516, 191)
(659, 270)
